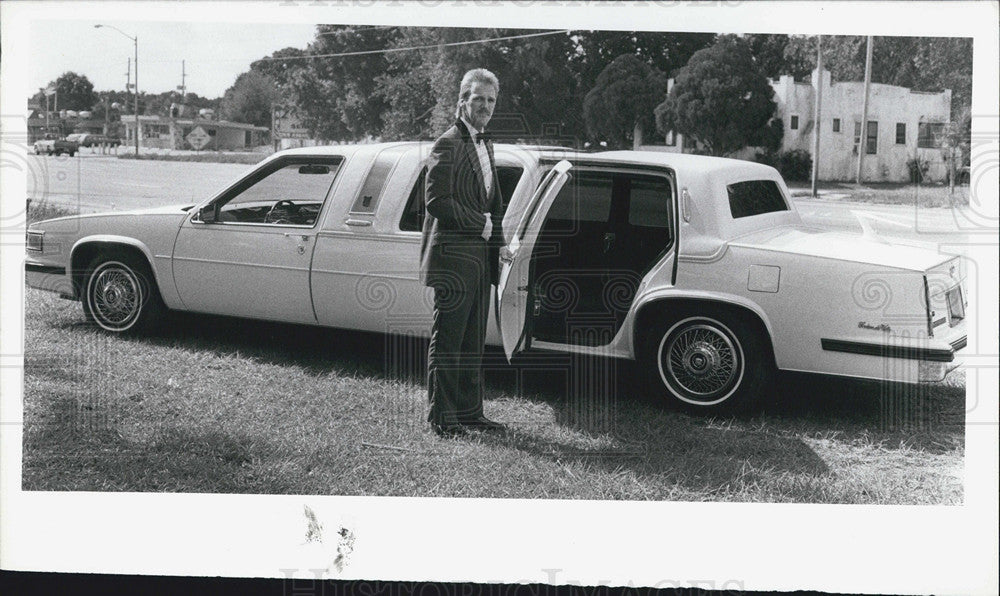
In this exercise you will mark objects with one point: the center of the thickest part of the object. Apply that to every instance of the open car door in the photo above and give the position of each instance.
(514, 295)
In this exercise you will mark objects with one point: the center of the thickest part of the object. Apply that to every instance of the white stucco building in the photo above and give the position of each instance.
(902, 124)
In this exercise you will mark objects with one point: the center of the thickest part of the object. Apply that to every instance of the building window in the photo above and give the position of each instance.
(930, 134)
(794, 125)
(671, 139)
(900, 133)
(836, 125)
(857, 135)
(871, 140)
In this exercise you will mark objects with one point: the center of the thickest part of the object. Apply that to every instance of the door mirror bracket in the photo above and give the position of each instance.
(208, 214)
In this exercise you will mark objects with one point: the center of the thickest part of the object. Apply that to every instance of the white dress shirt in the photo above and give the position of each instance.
(484, 156)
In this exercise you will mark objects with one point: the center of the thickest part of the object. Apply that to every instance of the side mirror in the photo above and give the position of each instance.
(208, 214)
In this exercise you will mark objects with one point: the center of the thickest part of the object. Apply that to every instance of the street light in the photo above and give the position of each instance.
(135, 40)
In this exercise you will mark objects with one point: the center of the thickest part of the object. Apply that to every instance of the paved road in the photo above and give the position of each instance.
(92, 183)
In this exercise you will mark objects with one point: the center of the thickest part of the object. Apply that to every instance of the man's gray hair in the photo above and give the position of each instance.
(476, 75)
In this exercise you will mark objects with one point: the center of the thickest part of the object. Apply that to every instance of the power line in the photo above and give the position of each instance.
(356, 29)
(370, 52)
(426, 47)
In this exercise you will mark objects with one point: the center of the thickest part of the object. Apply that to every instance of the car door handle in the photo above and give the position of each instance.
(358, 222)
(303, 237)
(609, 239)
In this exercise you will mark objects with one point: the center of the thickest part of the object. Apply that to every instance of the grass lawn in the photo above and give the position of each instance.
(921, 195)
(211, 404)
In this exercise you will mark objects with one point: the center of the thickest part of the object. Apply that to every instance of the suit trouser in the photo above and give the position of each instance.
(455, 355)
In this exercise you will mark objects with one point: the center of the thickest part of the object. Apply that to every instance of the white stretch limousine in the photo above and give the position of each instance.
(700, 268)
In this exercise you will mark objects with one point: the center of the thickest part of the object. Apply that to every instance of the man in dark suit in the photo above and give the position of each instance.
(462, 236)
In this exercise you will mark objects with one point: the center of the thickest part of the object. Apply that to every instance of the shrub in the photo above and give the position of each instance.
(918, 169)
(793, 165)
(42, 210)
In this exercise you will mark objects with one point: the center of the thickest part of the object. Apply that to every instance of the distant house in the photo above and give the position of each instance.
(903, 124)
(162, 132)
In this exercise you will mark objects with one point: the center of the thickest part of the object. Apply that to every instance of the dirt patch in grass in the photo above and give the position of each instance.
(212, 404)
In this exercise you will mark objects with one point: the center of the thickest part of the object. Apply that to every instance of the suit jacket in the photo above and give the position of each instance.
(456, 199)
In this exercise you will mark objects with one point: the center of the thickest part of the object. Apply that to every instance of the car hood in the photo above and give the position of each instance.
(108, 221)
(151, 211)
(843, 246)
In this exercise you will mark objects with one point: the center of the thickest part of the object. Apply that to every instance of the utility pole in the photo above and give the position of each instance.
(817, 118)
(137, 127)
(863, 139)
(183, 87)
(45, 94)
(135, 40)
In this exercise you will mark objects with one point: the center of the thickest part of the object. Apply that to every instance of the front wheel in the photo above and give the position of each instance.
(712, 364)
(120, 294)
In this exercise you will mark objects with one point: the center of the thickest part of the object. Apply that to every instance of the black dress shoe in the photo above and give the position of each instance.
(452, 429)
(483, 423)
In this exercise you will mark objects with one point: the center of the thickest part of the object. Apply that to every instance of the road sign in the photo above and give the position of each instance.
(198, 138)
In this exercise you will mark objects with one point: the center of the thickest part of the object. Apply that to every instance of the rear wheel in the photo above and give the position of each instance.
(120, 294)
(707, 363)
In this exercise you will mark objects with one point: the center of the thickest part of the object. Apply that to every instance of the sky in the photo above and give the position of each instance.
(215, 53)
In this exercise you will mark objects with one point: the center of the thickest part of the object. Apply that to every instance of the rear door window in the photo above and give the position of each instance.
(413, 214)
(754, 197)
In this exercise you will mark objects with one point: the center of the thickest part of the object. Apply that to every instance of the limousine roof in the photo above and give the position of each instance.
(692, 165)
(708, 222)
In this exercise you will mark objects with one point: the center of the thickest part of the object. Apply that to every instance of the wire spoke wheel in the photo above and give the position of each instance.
(119, 295)
(701, 361)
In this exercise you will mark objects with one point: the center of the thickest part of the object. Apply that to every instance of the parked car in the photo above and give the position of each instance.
(96, 140)
(51, 144)
(698, 267)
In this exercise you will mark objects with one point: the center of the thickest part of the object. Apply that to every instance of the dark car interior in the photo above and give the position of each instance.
(603, 233)
(413, 215)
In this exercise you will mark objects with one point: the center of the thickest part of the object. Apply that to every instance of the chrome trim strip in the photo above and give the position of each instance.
(409, 238)
(238, 264)
(39, 268)
(368, 274)
(888, 351)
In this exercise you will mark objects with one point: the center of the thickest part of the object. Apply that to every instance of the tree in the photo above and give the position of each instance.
(537, 89)
(75, 92)
(281, 66)
(667, 52)
(335, 95)
(719, 99)
(622, 99)
(249, 99)
(777, 55)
